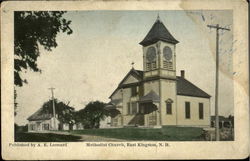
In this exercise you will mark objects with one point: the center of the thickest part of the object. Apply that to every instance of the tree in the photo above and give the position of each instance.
(92, 114)
(65, 113)
(32, 28)
(15, 102)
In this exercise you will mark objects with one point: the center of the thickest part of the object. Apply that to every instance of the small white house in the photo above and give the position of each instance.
(41, 121)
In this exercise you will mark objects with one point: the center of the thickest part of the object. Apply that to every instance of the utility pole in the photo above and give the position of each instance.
(54, 110)
(217, 27)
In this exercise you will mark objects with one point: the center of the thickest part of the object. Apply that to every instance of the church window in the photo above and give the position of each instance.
(133, 91)
(187, 110)
(169, 106)
(201, 111)
(134, 107)
(128, 108)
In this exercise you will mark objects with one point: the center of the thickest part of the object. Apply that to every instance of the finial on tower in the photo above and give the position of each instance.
(158, 17)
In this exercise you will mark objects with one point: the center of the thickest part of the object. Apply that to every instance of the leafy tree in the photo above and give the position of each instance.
(92, 114)
(65, 113)
(32, 28)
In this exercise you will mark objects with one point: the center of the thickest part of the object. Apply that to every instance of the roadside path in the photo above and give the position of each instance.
(87, 137)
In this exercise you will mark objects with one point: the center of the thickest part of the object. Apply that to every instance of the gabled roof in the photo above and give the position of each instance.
(40, 115)
(151, 96)
(136, 73)
(46, 111)
(158, 32)
(186, 88)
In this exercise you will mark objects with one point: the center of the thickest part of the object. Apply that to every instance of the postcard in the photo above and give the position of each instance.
(124, 80)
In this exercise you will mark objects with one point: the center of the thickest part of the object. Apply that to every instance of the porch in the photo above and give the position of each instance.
(148, 114)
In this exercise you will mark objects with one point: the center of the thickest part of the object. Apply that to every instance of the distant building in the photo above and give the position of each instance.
(224, 122)
(43, 120)
(156, 96)
(106, 123)
(40, 121)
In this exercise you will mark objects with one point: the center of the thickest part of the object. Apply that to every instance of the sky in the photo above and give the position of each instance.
(89, 64)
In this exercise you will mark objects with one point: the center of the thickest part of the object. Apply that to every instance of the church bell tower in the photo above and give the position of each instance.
(159, 68)
(159, 57)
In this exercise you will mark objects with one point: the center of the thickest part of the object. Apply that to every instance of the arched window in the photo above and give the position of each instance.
(168, 60)
(151, 58)
(169, 106)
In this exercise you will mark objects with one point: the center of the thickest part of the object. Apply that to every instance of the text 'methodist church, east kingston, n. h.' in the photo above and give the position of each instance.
(155, 96)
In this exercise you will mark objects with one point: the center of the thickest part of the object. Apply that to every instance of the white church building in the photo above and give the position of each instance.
(156, 96)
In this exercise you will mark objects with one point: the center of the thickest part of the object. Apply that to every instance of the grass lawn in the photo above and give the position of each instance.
(167, 133)
(44, 137)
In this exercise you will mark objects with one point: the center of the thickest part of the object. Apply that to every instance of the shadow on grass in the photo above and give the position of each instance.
(45, 137)
(166, 133)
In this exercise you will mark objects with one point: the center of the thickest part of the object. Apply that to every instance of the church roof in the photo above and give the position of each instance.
(184, 87)
(158, 32)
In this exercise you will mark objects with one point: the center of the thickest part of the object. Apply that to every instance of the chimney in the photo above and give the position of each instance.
(182, 73)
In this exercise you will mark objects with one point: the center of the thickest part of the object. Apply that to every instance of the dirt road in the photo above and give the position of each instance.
(87, 137)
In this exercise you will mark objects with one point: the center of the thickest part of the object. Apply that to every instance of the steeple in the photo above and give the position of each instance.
(158, 32)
